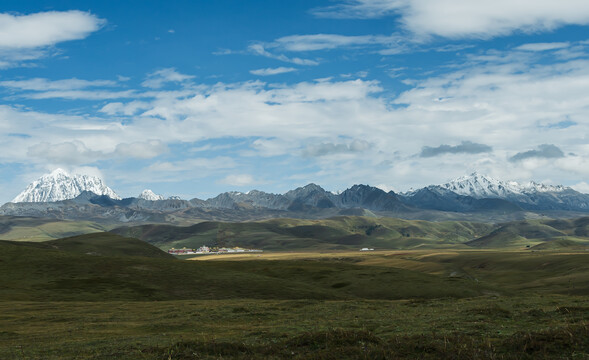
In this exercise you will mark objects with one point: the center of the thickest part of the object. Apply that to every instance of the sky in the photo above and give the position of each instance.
(194, 98)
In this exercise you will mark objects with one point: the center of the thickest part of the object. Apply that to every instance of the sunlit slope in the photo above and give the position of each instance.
(330, 234)
(500, 271)
(540, 234)
(540, 271)
(31, 271)
(37, 229)
(106, 244)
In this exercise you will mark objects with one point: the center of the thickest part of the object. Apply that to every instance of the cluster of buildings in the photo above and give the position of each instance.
(208, 250)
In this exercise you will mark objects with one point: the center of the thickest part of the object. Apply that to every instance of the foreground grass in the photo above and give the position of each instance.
(513, 327)
(64, 300)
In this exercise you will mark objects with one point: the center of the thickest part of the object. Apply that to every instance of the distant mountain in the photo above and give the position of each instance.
(59, 185)
(62, 196)
(371, 198)
(311, 195)
(254, 198)
(442, 199)
(481, 186)
(149, 195)
(477, 192)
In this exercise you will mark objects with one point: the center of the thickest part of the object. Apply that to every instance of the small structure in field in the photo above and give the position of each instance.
(205, 250)
(183, 251)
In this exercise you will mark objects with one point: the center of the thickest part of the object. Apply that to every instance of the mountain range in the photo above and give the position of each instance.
(64, 196)
(59, 185)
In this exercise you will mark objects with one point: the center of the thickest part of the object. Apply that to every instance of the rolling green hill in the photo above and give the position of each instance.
(36, 271)
(345, 232)
(95, 244)
(537, 234)
(565, 243)
(39, 229)
(107, 244)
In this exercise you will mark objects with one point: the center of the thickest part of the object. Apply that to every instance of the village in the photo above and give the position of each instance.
(206, 250)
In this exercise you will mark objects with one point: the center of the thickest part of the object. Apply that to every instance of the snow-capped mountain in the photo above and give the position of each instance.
(149, 195)
(465, 194)
(481, 186)
(59, 185)
(81, 197)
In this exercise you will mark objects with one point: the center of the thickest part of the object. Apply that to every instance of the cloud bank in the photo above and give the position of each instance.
(26, 37)
(466, 147)
(272, 71)
(466, 18)
(545, 151)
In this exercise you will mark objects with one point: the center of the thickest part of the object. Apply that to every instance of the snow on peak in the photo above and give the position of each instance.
(150, 195)
(60, 185)
(482, 186)
(59, 172)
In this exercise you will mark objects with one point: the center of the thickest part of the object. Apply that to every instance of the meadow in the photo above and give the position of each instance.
(83, 298)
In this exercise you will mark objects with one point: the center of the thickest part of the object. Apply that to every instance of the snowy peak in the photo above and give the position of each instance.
(482, 186)
(57, 173)
(536, 187)
(60, 185)
(149, 195)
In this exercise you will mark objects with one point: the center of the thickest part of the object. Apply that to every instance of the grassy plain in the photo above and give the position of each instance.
(485, 327)
(103, 296)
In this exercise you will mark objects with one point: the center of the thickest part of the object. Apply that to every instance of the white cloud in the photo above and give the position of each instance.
(40, 84)
(272, 71)
(362, 9)
(141, 149)
(71, 153)
(128, 109)
(259, 49)
(28, 37)
(76, 152)
(326, 41)
(46, 28)
(386, 45)
(480, 101)
(467, 18)
(239, 180)
(81, 95)
(198, 167)
(158, 78)
(328, 148)
(543, 46)
(581, 187)
(269, 147)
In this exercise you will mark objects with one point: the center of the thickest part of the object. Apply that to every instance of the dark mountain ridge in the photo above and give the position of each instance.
(473, 197)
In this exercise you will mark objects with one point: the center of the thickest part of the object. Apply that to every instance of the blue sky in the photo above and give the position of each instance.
(193, 98)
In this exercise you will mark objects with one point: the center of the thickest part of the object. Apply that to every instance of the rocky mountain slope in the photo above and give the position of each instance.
(61, 196)
(476, 191)
(59, 185)
(149, 195)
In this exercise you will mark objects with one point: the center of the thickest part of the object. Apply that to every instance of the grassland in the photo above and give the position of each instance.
(35, 229)
(354, 232)
(490, 327)
(339, 233)
(104, 296)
